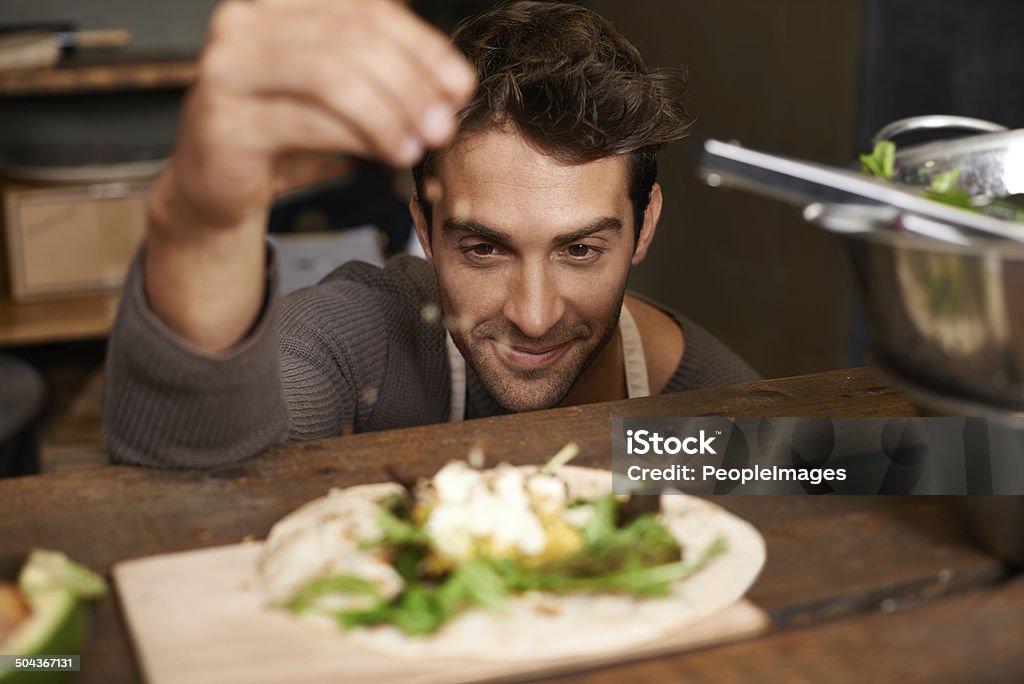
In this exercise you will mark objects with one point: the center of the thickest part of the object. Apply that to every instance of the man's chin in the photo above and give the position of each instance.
(515, 404)
(517, 395)
(528, 389)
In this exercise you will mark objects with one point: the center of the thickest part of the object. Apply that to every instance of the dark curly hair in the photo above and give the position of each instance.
(566, 80)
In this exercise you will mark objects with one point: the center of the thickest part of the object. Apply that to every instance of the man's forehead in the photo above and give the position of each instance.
(503, 157)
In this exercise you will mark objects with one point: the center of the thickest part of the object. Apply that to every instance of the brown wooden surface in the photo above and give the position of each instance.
(55, 320)
(970, 638)
(127, 72)
(834, 563)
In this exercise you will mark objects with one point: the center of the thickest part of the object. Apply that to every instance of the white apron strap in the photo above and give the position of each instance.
(633, 357)
(457, 364)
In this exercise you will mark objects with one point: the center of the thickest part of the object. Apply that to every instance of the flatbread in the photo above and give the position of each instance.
(538, 625)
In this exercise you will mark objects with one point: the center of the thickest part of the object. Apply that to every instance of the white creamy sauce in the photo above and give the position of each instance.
(500, 508)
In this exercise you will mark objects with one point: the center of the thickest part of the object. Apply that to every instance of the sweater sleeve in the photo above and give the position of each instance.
(354, 353)
(169, 405)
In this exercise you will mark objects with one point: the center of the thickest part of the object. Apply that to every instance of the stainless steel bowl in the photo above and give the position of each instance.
(942, 287)
(946, 317)
(949, 317)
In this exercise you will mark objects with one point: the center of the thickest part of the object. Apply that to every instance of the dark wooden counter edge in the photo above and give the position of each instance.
(849, 392)
(846, 392)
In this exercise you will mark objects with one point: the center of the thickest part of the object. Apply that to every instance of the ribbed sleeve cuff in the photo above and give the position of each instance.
(169, 405)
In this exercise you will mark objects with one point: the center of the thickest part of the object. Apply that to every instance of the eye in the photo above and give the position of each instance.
(480, 252)
(582, 253)
(482, 249)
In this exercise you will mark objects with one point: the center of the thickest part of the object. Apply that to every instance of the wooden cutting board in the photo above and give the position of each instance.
(198, 617)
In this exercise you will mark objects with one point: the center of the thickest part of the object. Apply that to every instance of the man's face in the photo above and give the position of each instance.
(532, 257)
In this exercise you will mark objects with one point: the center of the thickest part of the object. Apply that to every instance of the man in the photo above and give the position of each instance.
(534, 140)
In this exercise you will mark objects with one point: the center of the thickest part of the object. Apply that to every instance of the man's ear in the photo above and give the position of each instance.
(420, 223)
(651, 217)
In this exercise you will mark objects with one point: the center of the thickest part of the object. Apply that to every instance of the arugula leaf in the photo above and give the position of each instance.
(881, 163)
(632, 577)
(607, 547)
(306, 598)
(483, 584)
(1007, 207)
(378, 615)
(418, 611)
(397, 531)
(943, 189)
(407, 559)
(423, 608)
(612, 558)
(636, 506)
(453, 594)
(600, 526)
(945, 181)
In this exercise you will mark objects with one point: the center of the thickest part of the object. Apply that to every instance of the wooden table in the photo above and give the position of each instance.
(858, 588)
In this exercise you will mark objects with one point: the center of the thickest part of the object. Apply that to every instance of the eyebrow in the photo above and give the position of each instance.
(609, 223)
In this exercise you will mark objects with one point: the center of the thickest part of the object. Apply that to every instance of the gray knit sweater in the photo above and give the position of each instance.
(361, 351)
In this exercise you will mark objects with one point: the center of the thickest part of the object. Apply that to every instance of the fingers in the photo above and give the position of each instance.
(366, 116)
(423, 42)
(427, 110)
(391, 79)
(304, 126)
(434, 53)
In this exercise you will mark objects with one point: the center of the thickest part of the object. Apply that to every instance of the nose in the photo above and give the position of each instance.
(534, 303)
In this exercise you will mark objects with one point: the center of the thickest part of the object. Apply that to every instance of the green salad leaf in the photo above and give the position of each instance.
(1007, 207)
(631, 576)
(881, 164)
(629, 555)
(397, 527)
(307, 597)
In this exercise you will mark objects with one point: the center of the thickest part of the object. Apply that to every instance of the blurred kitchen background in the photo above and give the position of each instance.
(804, 78)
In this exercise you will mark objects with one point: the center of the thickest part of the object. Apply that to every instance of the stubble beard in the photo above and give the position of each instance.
(518, 390)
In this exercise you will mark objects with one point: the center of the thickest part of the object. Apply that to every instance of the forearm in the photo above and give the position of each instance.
(206, 285)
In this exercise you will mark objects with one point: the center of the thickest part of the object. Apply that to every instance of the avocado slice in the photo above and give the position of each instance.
(57, 591)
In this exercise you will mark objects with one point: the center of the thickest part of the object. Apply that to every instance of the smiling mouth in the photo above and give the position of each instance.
(529, 358)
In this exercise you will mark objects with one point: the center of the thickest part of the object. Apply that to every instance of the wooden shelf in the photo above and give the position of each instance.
(83, 75)
(57, 320)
